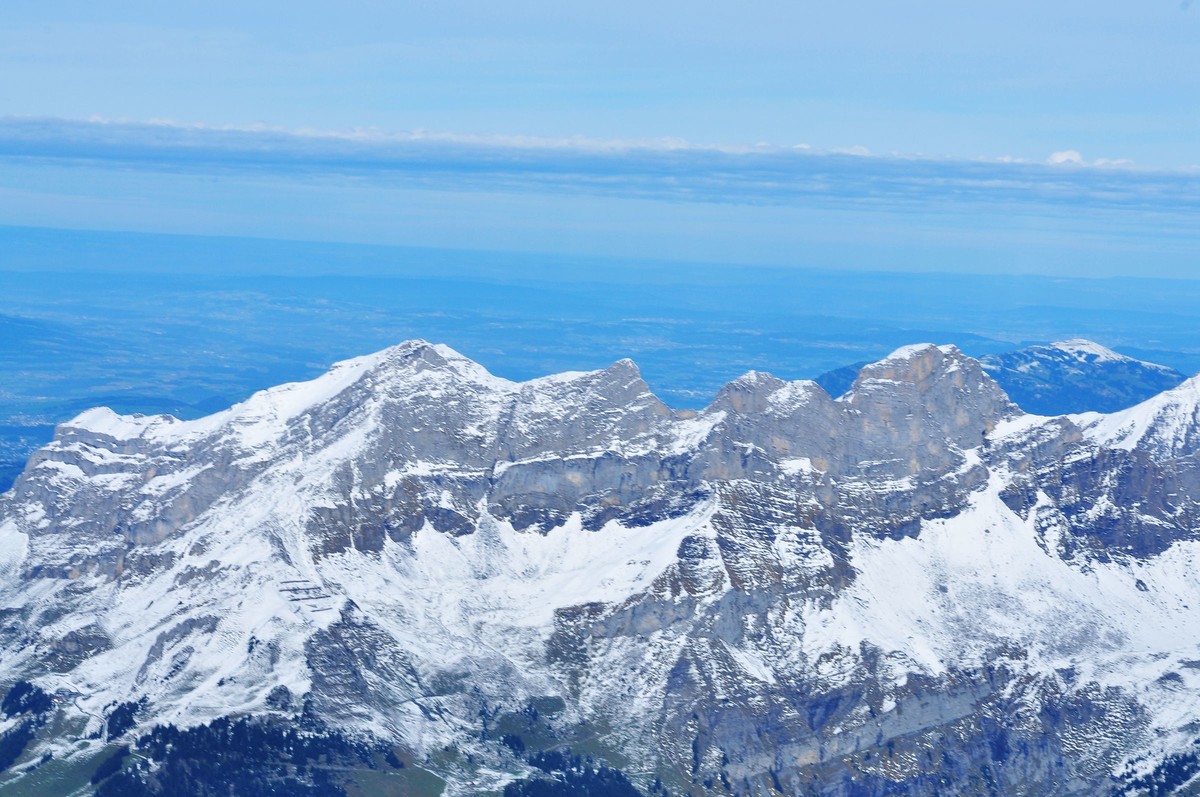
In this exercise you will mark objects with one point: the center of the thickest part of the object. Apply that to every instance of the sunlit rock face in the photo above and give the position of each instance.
(915, 588)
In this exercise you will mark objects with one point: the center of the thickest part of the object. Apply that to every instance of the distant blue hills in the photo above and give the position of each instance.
(1077, 376)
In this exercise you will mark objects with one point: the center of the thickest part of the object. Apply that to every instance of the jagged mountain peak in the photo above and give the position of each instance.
(929, 392)
(277, 405)
(622, 378)
(417, 364)
(779, 590)
(625, 364)
(420, 355)
(918, 364)
(756, 392)
(922, 366)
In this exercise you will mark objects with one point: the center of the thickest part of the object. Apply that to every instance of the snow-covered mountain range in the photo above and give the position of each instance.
(915, 588)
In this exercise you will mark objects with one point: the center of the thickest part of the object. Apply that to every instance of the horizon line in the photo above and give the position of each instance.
(664, 263)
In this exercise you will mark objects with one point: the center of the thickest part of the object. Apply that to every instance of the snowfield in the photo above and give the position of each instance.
(408, 538)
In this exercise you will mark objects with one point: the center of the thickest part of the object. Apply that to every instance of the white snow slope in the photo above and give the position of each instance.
(185, 551)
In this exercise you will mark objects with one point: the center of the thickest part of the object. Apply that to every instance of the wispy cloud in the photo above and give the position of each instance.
(1065, 157)
(1072, 157)
(667, 169)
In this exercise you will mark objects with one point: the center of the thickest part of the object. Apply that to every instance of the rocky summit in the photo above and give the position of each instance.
(409, 576)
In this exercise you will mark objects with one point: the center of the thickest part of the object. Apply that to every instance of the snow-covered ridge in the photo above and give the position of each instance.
(273, 407)
(263, 416)
(1167, 426)
(1082, 347)
(1092, 352)
(408, 535)
(1078, 375)
(417, 368)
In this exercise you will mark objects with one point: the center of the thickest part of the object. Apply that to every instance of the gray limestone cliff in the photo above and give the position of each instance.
(915, 588)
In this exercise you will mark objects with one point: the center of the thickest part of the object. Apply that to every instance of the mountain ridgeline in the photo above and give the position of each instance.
(409, 576)
(1070, 376)
(1077, 376)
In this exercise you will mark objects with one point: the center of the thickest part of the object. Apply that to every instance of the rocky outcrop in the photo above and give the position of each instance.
(913, 588)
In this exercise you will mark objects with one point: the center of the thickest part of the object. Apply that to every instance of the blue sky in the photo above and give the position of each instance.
(669, 130)
(1111, 79)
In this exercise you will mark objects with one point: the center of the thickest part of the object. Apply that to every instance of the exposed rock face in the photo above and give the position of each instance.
(912, 589)
(1057, 378)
